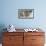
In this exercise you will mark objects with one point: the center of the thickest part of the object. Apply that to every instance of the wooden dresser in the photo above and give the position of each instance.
(23, 39)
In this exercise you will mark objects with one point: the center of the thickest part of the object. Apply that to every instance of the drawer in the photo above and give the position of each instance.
(27, 41)
(15, 42)
(34, 33)
(8, 45)
(27, 37)
(37, 39)
(37, 44)
(33, 39)
(12, 44)
(12, 39)
(13, 33)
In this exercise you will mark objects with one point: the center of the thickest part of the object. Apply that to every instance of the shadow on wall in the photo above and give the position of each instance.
(2, 26)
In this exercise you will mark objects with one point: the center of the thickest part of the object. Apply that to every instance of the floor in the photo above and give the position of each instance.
(0, 44)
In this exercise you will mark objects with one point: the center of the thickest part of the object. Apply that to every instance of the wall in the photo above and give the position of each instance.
(9, 13)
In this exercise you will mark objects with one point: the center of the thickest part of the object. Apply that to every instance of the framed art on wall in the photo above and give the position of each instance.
(25, 13)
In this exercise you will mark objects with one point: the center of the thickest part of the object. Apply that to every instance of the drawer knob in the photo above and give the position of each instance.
(33, 39)
(11, 38)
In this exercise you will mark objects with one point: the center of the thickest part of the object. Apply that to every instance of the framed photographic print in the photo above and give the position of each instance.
(25, 13)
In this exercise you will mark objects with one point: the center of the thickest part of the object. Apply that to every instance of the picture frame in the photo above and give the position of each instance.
(25, 13)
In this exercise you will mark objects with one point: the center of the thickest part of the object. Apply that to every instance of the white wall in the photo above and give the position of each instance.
(9, 13)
